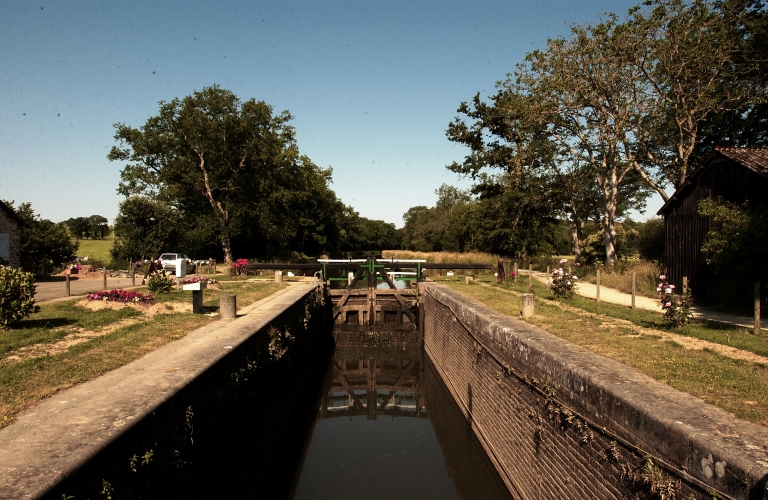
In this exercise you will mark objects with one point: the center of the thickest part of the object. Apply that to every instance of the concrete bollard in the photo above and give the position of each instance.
(597, 286)
(278, 276)
(228, 306)
(528, 301)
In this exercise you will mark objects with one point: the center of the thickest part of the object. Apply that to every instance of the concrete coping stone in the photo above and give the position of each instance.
(693, 435)
(51, 440)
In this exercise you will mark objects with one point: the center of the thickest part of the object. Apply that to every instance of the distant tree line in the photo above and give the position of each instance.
(589, 127)
(213, 176)
(95, 227)
(460, 222)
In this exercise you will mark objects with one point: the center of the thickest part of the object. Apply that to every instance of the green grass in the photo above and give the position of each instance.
(56, 320)
(736, 386)
(25, 382)
(96, 249)
(711, 331)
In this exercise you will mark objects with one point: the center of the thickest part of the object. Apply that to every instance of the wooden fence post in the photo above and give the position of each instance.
(597, 293)
(634, 288)
(67, 286)
(757, 308)
(530, 275)
(104, 278)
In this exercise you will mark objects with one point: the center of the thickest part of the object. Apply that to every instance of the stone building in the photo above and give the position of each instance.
(10, 238)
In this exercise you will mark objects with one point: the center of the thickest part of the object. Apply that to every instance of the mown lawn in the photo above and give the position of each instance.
(127, 335)
(736, 386)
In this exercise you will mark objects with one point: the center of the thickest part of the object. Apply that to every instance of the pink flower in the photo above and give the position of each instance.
(662, 277)
(668, 304)
(563, 261)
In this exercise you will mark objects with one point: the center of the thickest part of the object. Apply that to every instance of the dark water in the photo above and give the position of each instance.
(369, 419)
(386, 428)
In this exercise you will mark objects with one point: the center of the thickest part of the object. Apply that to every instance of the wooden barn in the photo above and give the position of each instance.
(734, 174)
(10, 240)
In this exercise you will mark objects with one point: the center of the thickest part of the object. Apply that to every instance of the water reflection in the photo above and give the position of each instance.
(377, 436)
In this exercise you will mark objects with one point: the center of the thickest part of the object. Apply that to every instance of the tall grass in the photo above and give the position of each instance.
(620, 277)
(442, 257)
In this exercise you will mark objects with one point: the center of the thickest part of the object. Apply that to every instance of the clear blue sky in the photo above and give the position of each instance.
(372, 84)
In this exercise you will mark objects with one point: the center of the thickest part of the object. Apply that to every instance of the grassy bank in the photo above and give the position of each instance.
(113, 338)
(737, 386)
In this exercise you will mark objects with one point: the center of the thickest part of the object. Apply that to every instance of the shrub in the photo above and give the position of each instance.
(677, 307)
(562, 284)
(159, 282)
(17, 295)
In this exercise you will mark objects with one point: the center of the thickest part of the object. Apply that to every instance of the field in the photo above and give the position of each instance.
(96, 249)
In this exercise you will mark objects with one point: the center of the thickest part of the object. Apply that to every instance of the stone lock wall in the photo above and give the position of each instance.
(11, 227)
(559, 421)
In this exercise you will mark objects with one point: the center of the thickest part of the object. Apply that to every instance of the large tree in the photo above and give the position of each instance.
(617, 108)
(209, 149)
(701, 67)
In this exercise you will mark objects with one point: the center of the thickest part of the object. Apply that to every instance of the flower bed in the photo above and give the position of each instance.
(119, 295)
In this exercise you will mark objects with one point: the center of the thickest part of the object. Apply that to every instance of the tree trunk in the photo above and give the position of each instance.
(577, 232)
(609, 229)
(226, 245)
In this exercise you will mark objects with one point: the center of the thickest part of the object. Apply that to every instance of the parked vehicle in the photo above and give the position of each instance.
(168, 261)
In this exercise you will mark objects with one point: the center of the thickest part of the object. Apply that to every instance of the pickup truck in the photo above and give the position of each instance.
(168, 261)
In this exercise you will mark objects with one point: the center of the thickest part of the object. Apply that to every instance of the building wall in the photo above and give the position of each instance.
(11, 226)
(561, 422)
(686, 230)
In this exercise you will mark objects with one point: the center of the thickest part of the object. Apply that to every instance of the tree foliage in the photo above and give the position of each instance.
(234, 167)
(95, 227)
(144, 228)
(599, 119)
(736, 243)
(45, 246)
